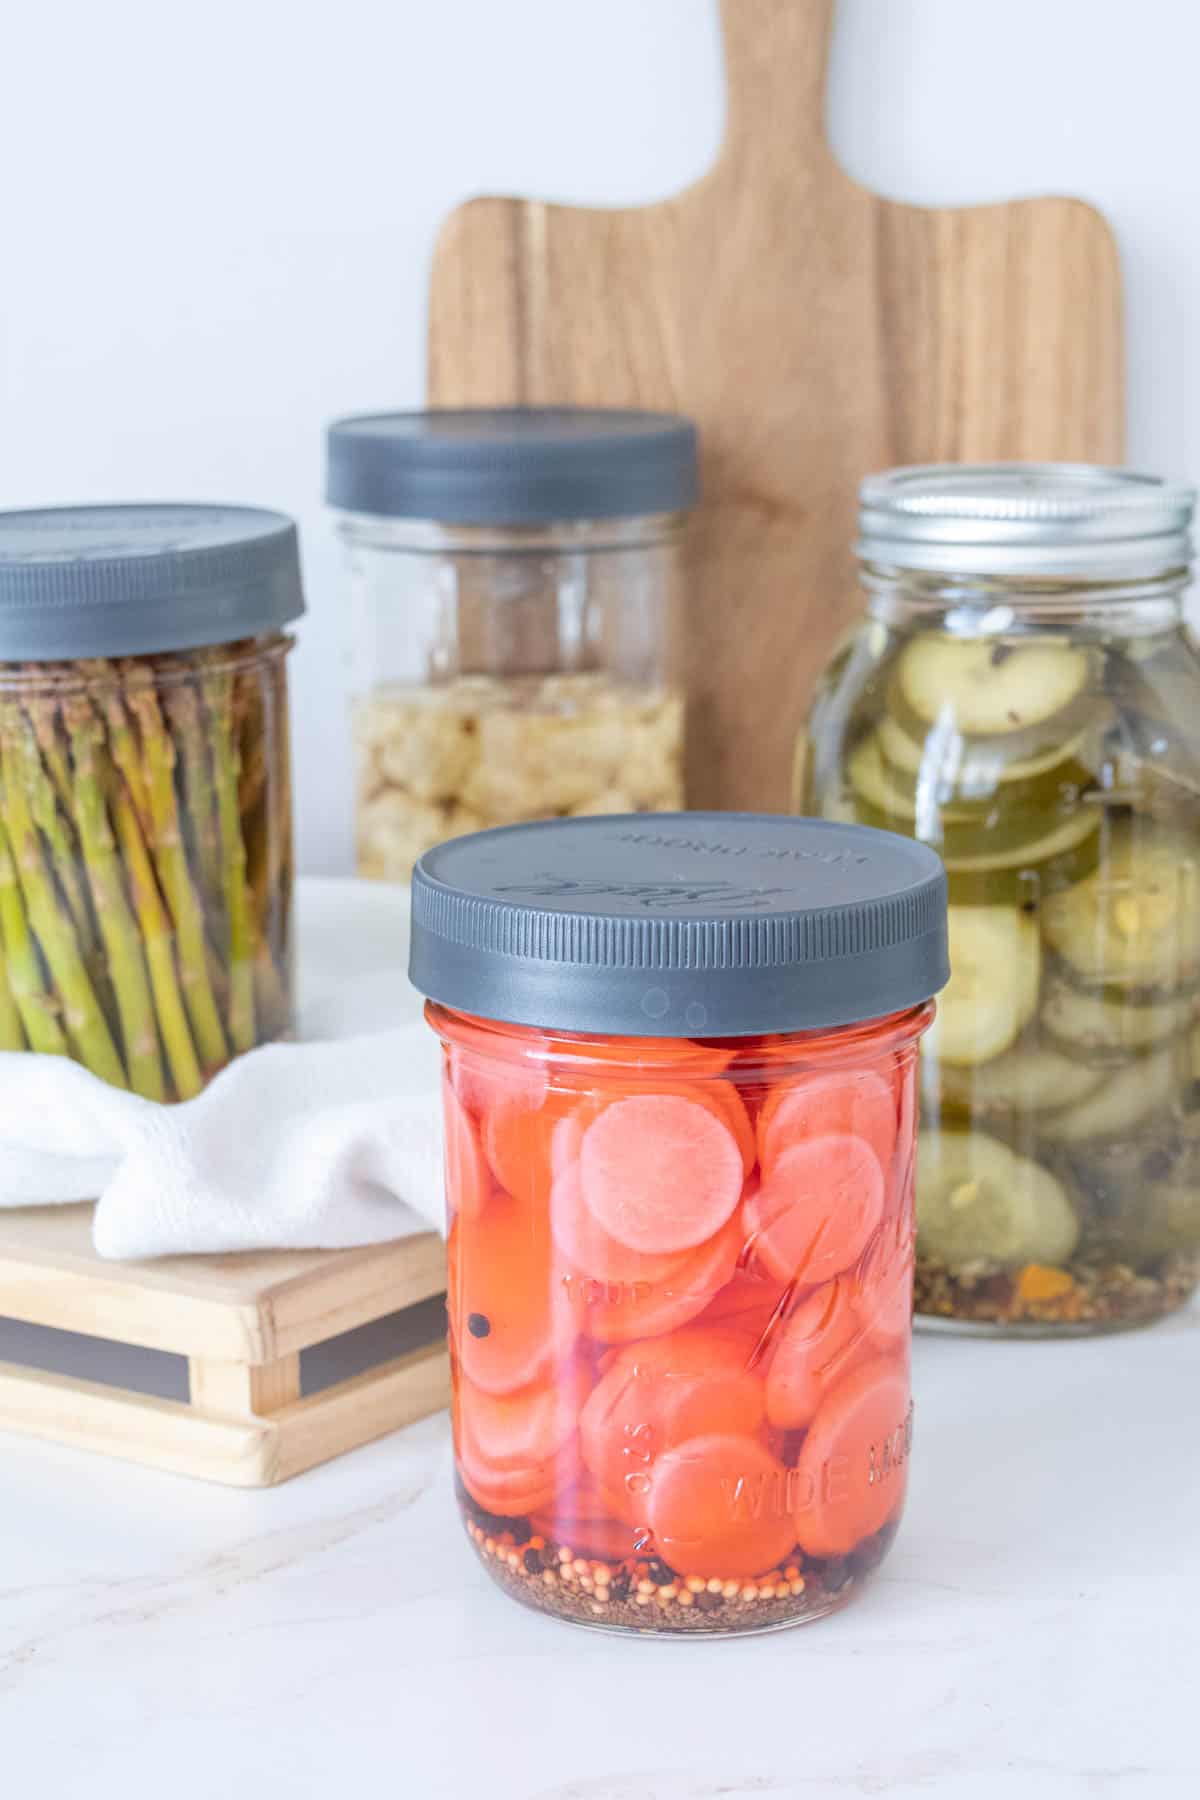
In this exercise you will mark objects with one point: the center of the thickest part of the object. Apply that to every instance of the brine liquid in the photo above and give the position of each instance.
(680, 1281)
(1059, 775)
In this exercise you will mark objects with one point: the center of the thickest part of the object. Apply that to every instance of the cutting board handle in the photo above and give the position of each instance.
(776, 56)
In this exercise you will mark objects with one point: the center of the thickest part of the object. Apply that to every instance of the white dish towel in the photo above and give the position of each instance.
(329, 1141)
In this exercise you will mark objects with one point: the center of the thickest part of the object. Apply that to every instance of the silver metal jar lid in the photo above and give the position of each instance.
(683, 924)
(1057, 520)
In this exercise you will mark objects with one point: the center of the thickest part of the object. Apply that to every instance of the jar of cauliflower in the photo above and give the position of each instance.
(513, 581)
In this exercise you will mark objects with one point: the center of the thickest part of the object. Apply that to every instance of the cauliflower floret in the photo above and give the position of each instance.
(393, 830)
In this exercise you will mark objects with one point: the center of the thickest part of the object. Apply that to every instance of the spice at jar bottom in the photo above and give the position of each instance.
(145, 800)
(680, 1267)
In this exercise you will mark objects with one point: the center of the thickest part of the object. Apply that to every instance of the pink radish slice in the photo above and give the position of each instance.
(815, 1347)
(816, 1212)
(885, 1287)
(851, 1103)
(480, 1076)
(527, 1428)
(468, 1180)
(657, 1393)
(619, 1312)
(733, 1106)
(511, 1315)
(861, 1433)
(589, 1248)
(660, 1173)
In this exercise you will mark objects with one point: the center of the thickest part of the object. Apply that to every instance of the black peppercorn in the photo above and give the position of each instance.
(479, 1325)
(533, 1562)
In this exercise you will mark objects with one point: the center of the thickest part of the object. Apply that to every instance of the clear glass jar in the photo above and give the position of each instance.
(513, 655)
(680, 1269)
(1024, 695)
(145, 794)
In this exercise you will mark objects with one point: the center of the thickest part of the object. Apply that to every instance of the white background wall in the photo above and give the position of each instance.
(216, 220)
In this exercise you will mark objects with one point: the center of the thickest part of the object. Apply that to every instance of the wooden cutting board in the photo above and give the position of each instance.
(815, 332)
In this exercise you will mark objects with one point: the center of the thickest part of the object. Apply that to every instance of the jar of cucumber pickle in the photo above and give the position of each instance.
(1024, 694)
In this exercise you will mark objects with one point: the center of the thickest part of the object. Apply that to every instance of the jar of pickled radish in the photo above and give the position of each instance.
(680, 1101)
(1023, 694)
(514, 581)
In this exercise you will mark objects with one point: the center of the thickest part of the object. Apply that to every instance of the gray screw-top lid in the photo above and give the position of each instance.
(81, 581)
(512, 465)
(640, 924)
(1026, 519)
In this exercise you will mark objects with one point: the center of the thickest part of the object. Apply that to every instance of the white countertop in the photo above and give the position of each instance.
(1035, 1632)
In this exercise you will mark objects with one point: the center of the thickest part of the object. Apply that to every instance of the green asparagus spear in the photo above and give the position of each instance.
(36, 1007)
(40, 701)
(218, 695)
(182, 706)
(12, 1032)
(104, 685)
(47, 917)
(158, 762)
(158, 942)
(50, 802)
(118, 926)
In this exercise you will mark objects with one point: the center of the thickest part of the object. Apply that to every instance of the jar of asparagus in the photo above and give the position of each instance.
(145, 798)
(513, 585)
(1024, 694)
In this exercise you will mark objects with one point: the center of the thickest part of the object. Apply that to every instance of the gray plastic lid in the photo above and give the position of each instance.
(713, 924)
(81, 581)
(512, 465)
(1057, 520)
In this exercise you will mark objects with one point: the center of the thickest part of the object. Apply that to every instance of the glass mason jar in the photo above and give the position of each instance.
(680, 1266)
(145, 794)
(514, 583)
(1024, 695)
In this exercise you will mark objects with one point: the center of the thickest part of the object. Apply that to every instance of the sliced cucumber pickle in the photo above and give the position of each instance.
(1102, 1025)
(1146, 1201)
(1036, 851)
(1124, 1100)
(1061, 861)
(991, 825)
(1030, 1078)
(1135, 922)
(979, 1201)
(995, 973)
(886, 788)
(987, 687)
(973, 767)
